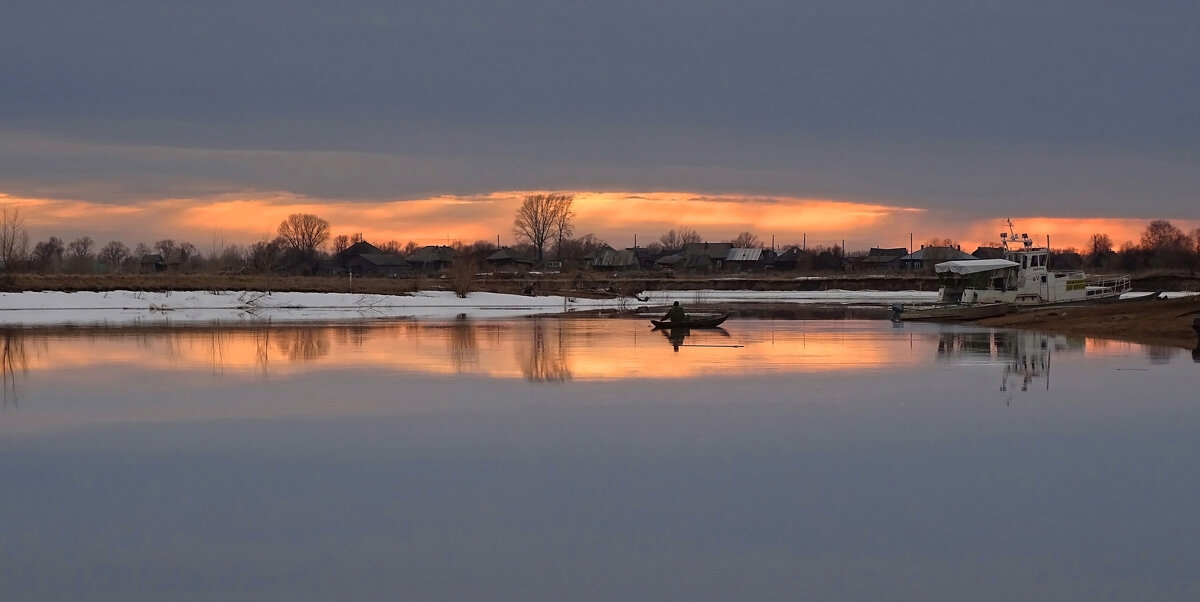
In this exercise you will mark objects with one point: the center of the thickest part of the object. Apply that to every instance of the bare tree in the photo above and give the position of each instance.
(411, 247)
(114, 254)
(167, 248)
(1165, 243)
(745, 240)
(576, 248)
(263, 255)
(340, 243)
(48, 254)
(80, 253)
(674, 239)
(542, 216)
(564, 216)
(1161, 235)
(14, 240)
(304, 234)
(1099, 244)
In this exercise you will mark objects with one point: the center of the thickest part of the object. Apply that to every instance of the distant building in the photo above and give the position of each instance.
(152, 263)
(927, 257)
(432, 258)
(880, 259)
(608, 258)
(793, 259)
(508, 260)
(748, 259)
(706, 256)
(376, 264)
(988, 253)
(358, 249)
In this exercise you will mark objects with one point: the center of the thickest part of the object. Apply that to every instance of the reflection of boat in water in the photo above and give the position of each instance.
(677, 336)
(1025, 354)
(693, 321)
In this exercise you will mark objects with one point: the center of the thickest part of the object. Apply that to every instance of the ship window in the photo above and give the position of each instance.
(1024, 261)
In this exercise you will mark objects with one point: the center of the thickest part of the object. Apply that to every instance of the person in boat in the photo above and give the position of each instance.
(676, 315)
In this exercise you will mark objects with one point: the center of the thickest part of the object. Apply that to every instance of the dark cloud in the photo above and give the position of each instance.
(945, 102)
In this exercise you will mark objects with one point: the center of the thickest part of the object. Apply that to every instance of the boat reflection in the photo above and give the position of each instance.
(677, 336)
(1025, 355)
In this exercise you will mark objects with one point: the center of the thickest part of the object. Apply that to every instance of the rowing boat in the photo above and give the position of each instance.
(692, 322)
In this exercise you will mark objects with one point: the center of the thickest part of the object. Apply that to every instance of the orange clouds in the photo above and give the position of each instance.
(615, 216)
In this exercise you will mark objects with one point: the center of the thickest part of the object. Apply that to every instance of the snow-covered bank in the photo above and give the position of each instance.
(117, 308)
(836, 297)
(120, 308)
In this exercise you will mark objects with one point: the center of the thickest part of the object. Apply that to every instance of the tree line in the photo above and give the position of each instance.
(543, 223)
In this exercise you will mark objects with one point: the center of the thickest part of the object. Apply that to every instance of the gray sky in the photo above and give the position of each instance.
(969, 108)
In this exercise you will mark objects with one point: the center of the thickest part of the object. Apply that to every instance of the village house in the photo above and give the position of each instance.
(433, 258)
(608, 258)
(365, 259)
(748, 259)
(376, 264)
(927, 257)
(882, 259)
(793, 259)
(507, 260)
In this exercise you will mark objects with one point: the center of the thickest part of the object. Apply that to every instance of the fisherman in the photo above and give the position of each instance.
(676, 315)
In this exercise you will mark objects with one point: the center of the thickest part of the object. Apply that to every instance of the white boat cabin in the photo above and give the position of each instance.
(1023, 277)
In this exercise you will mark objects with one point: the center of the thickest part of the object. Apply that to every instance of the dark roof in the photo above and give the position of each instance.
(713, 250)
(361, 247)
(989, 253)
(507, 254)
(432, 254)
(884, 255)
(938, 253)
(671, 259)
(611, 258)
(789, 255)
(155, 258)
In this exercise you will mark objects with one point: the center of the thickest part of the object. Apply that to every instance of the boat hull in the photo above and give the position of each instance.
(956, 313)
(712, 322)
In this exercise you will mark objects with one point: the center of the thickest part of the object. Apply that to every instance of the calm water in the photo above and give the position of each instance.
(550, 459)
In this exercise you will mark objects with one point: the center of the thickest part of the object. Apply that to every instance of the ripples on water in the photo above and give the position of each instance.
(594, 459)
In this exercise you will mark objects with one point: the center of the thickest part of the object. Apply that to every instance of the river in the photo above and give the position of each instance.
(595, 459)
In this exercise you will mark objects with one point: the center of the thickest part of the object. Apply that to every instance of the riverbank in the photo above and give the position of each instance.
(1152, 322)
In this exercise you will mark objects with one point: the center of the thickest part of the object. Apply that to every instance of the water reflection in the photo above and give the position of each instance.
(545, 359)
(1026, 355)
(549, 350)
(12, 360)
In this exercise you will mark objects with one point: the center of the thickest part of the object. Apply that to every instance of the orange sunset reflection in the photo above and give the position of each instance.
(535, 349)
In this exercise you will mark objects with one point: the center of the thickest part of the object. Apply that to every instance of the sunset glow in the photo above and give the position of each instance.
(617, 217)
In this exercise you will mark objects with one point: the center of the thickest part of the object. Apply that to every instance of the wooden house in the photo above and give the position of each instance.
(433, 258)
(927, 257)
(376, 264)
(881, 259)
(748, 259)
(508, 260)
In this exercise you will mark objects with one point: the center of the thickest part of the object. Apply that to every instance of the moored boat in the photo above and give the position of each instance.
(1023, 278)
(951, 313)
